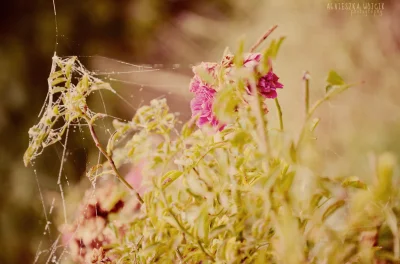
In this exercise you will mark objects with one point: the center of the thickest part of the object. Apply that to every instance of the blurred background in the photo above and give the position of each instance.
(171, 35)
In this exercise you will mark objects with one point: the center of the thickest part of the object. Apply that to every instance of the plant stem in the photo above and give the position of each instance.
(261, 124)
(279, 109)
(263, 37)
(178, 253)
(306, 79)
(315, 106)
(204, 251)
(109, 158)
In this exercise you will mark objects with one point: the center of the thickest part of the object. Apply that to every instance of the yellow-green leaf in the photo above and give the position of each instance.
(292, 152)
(203, 227)
(332, 208)
(354, 182)
(225, 103)
(170, 177)
(334, 78)
(287, 181)
(58, 81)
(314, 124)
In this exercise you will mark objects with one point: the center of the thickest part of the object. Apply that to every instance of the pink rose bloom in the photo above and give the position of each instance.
(90, 230)
(197, 83)
(202, 103)
(266, 84)
(204, 90)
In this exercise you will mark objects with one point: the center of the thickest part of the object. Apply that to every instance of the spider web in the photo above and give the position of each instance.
(58, 251)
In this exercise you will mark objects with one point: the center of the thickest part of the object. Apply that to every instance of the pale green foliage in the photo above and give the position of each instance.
(243, 194)
(225, 201)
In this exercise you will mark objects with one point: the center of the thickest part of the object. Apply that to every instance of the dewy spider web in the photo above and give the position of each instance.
(65, 106)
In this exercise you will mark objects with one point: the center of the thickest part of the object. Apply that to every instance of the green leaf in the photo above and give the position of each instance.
(150, 250)
(58, 81)
(271, 53)
(68, 67)
(225, 103)
(354, 182)
(170, 220)
(292, 152)
(332, 208)
(187, 130)
(217, 230)
(273, 48)
(314, 124)
(392, 222)
(55, 75)
(328, 88)
(286, 181)
(203, 225)
(196, 187)
(241, 138)
(238, 58)
(170, 177)
(278, 45)
(334, 78)
(385, 170)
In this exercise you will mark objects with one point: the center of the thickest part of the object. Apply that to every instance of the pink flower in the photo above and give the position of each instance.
(202, 105)
(205, 81)
(90, 230)
(266, 84)
(195, 84)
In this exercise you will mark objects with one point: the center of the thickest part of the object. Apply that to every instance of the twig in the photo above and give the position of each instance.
(109, 158)
(279, 109)
(263, 37)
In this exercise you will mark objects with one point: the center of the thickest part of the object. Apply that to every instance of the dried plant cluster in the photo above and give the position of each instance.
(232, 190)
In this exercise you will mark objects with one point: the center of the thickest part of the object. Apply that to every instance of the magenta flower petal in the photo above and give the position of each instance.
(201, 105)
(268, 84)
(195, 85)
(251, 59)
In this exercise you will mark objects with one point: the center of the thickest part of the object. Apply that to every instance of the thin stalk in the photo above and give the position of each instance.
(263, 37)
(279, 109)
(178, 253)
(109, 158)
(306, 79)
(314, 107)
(261, 124)
(204, 251)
